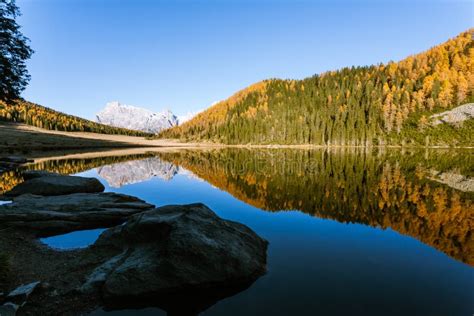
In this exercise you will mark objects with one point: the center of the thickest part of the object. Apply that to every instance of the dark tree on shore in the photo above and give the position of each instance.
(14, 51)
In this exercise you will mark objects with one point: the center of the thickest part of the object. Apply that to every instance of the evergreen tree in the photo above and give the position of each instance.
(14, 51)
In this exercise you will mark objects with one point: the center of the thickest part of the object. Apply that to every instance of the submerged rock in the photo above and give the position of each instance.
(51, 215)
(180, 258)
(57, 185)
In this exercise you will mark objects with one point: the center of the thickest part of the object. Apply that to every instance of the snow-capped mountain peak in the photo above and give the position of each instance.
(136, 118)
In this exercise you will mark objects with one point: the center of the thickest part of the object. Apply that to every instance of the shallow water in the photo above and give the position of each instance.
(74, 240)
(350, 233)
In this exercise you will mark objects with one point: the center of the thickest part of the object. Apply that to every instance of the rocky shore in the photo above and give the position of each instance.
(181, 258)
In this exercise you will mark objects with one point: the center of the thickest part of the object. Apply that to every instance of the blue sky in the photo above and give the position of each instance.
(184, 55)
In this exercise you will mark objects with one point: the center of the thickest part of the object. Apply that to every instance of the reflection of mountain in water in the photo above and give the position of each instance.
(136, 171)
(11, 178)
(116, 170)
(387, 190)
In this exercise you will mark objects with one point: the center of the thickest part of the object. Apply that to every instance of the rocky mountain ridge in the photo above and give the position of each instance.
(135, 118)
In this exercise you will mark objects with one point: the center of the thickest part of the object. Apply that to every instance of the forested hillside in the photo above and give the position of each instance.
(33, 114)
(379, 104)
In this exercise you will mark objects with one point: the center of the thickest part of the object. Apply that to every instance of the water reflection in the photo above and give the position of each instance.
(116, 170)
(387, 190)
(10, 179)
(74, 240)
(427, 195)
(120, 174)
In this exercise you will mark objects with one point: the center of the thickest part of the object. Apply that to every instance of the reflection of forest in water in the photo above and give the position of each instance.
(387, 190)
(424, 194)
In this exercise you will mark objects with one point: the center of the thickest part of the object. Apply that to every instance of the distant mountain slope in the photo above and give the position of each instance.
(378, 104)
(135, 118)
(188, 116)
(43, 117)
(214, 116)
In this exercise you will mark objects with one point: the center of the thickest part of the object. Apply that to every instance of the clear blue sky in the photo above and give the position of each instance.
(184, 55)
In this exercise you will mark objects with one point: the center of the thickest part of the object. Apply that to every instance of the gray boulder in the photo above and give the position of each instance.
(180, 258)
(21, 293)
(17, 298)
(50, 215)
(8, 309)
(57, 185)
(32, 174)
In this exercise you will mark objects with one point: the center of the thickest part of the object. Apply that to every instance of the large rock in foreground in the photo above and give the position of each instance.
(57, 185)
(180, 258)
(50, 215)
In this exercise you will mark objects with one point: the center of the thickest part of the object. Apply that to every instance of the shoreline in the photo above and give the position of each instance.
(22, 138)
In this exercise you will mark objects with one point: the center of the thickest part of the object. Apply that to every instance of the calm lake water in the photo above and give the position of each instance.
(350, 232)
